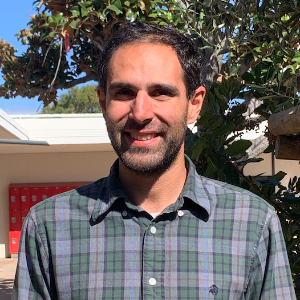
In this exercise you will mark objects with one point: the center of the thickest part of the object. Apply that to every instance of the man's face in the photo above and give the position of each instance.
(145, 106)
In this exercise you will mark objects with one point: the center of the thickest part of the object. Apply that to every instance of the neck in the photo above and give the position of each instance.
(155, 192)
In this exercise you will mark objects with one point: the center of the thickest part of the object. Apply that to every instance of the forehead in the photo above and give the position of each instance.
(152, 61)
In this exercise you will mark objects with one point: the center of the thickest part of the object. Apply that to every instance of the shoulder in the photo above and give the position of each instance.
(225, 194)
(236, 203)
(79, 202)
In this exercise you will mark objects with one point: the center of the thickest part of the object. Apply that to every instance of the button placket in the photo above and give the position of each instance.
(180, 213)
(152, 281)
(152, 229)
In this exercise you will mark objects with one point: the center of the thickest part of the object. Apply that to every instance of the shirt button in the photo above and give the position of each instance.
(124, 213)
(180, 213)
(152, 281)
(153, 230)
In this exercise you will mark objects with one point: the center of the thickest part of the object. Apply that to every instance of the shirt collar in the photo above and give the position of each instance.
(194, 189)
(111, 190)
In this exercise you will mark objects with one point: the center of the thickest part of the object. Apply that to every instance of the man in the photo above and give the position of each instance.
(153, 229)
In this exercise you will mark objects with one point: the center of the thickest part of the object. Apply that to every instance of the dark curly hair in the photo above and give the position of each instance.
(188, 53)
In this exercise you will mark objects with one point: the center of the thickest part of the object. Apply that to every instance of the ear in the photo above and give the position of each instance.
(195, 104)
(102, 100)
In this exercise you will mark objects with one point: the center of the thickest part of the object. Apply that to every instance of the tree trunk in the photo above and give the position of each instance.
(286, 122)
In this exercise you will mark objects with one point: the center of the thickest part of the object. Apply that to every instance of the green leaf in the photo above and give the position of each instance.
(118, 4)
(296, 58)
(279, 176)
(51, 19)
(191, 141)
(273, 182)
(74, 24)
(198, 149)
(238, 147)
(176, 18)
(245, 185)
(209, 170)
(205, 117)
(52, 34)
(247, 77)
(231, 174)
(250, 160)
(216, 159)
(75, 11)
(217, 122)
(221, 175)
(84, 12)
(224, 129)
(82, 4)
(115, 9)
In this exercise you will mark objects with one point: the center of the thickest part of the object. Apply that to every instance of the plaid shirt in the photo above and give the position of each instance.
(216, 242)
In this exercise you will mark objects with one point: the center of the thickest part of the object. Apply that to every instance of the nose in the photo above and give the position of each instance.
(141, 108)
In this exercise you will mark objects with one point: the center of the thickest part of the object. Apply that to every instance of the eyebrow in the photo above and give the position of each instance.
(123, 85)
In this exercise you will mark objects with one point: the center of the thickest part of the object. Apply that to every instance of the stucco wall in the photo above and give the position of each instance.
(46, 167)
(291, 167)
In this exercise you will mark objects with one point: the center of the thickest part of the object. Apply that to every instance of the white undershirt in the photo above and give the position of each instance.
(154, 215)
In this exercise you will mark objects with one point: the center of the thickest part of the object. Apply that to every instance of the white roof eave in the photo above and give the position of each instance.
(10, 129)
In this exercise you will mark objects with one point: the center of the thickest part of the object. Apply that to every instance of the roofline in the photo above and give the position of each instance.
(12, 127)
(57, 116)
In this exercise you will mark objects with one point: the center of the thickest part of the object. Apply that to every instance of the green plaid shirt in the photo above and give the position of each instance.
(216, 242)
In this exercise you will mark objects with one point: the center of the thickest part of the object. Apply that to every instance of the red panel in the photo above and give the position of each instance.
(25, 198)
(46, 192)
(15, 219)
(69, 188)
(14, 198)
(36, 195)
(56, 190)
(24, 214)
(14, 240)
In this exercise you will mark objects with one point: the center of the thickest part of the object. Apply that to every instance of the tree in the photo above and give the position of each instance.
(76, 100)
(250, 55)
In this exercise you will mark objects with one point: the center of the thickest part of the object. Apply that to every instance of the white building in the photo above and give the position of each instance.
(79, 150)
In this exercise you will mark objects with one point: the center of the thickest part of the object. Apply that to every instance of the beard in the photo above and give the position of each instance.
(148, 160)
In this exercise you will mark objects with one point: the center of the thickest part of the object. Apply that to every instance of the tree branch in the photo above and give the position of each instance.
(251, 103)
(32, 92)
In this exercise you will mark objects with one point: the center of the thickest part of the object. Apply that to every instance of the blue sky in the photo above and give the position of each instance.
(14, 16)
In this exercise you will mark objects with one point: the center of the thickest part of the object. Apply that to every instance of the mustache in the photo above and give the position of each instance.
(147, 125)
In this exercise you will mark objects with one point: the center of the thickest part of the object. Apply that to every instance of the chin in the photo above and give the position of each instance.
(148, 164)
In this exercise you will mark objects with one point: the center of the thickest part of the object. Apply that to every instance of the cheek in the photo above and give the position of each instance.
(171, 112)
(117, 110)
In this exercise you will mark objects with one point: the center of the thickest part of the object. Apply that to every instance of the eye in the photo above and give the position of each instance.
(161, 94)
(124, 94)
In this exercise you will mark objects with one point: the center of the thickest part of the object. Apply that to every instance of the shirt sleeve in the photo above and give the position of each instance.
(33, 276)
(270, 275)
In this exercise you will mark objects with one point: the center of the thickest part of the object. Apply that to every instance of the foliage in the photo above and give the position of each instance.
(76, 100)
(251, 52)
(218, 152)
(85, 26)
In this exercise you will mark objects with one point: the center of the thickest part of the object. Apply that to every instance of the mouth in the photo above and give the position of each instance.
(142, 137)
